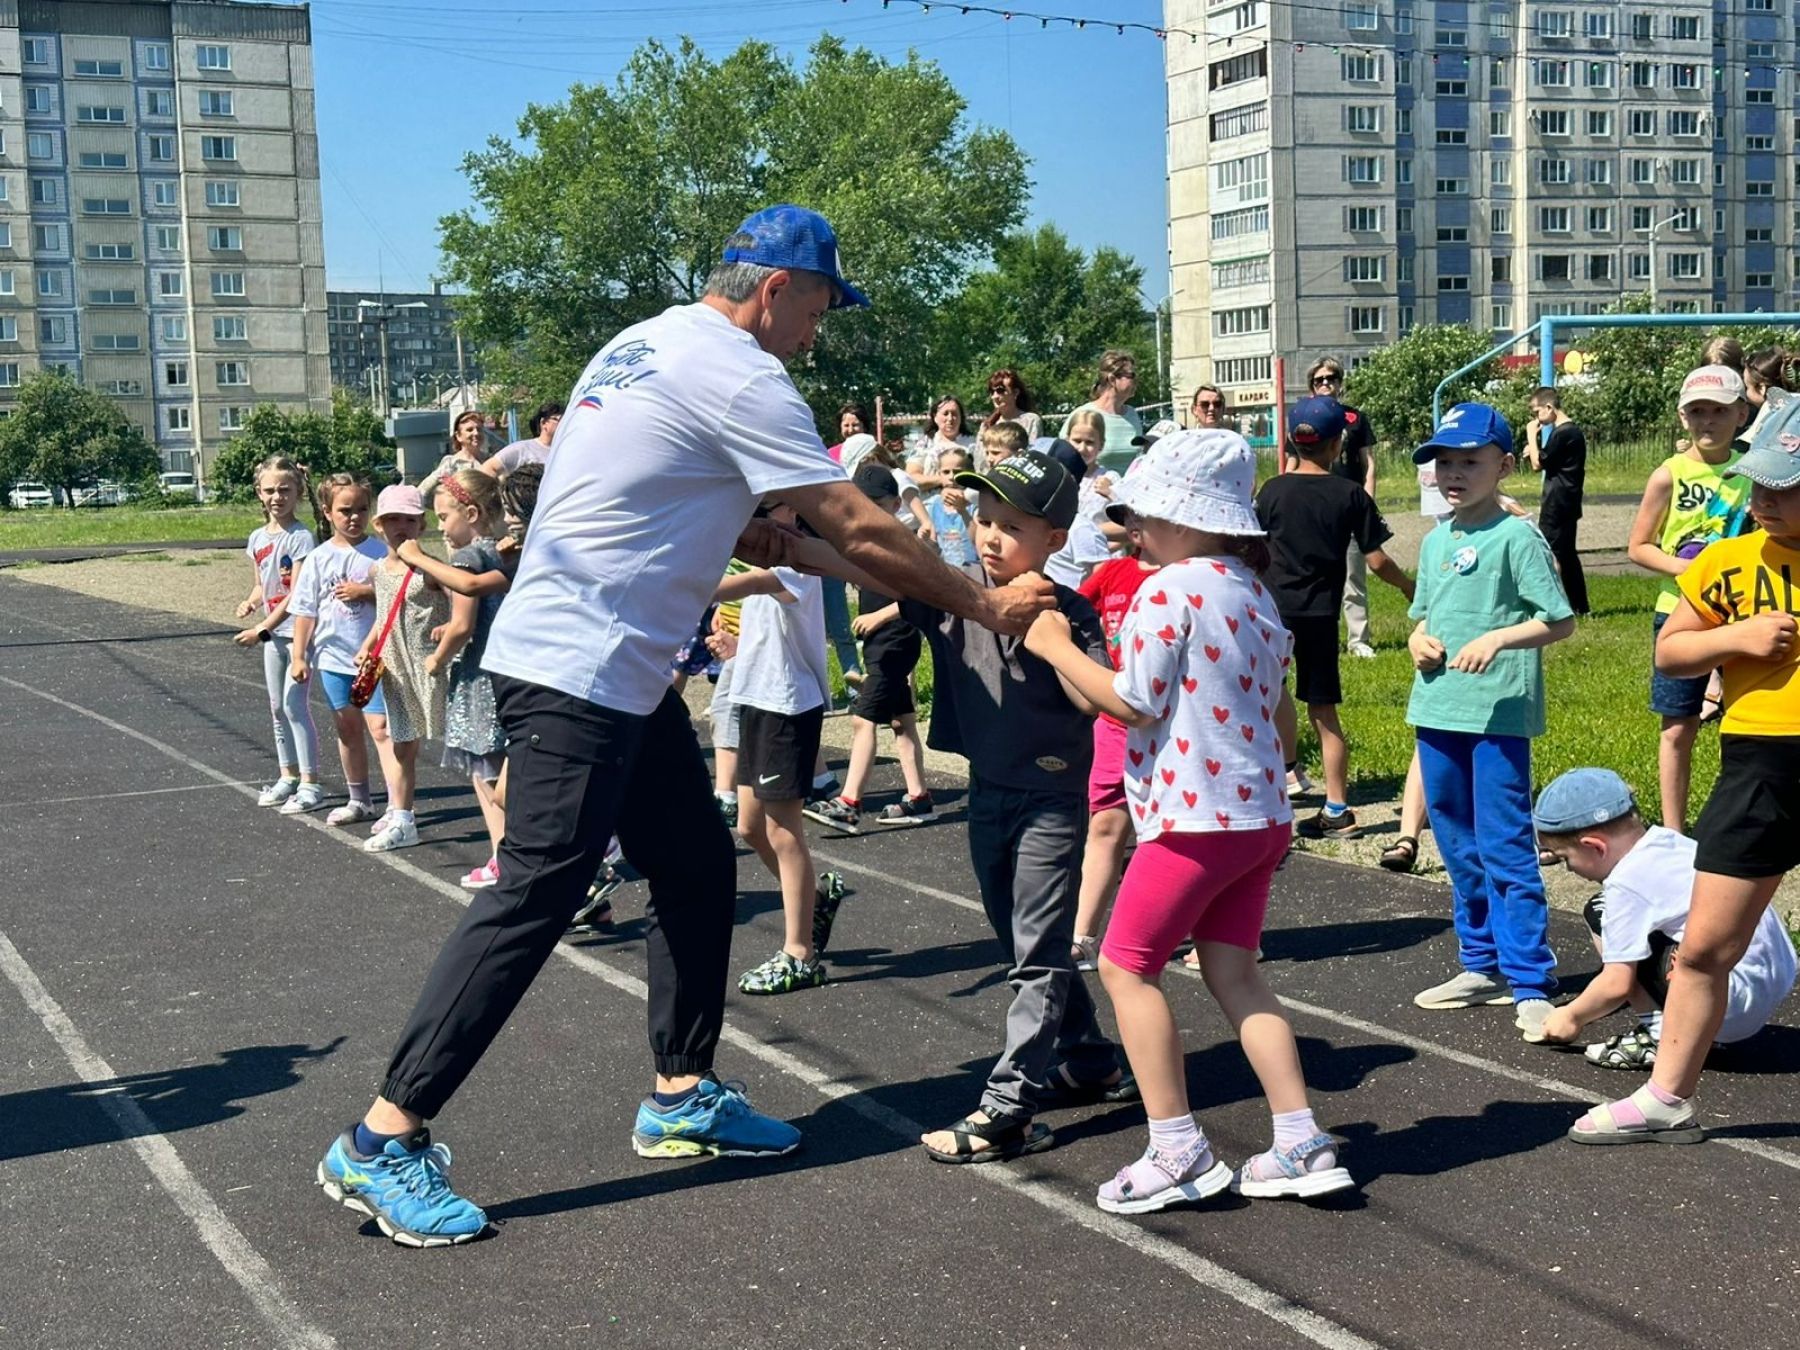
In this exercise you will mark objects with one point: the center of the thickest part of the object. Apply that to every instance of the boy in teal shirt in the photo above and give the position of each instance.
(1487, 600)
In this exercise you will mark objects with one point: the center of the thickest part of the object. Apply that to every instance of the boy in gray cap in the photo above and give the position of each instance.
(1589, 819)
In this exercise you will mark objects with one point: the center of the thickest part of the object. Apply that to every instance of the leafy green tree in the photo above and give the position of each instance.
(350, 440)
(1048, 310)
(1394, 386)
(63, 434)
(615, 202)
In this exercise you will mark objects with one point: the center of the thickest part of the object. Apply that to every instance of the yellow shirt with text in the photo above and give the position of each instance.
(1734, 580)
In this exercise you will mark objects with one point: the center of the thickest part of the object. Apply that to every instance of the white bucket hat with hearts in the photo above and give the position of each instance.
(1204, 478)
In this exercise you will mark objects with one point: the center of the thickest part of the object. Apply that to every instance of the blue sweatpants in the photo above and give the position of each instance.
(1478, 792)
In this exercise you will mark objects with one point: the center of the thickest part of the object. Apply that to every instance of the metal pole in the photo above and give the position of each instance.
(461, 378)
(1437, 395)
(381, 324)
(1280, 414)
(1547, 352)
(1653, 232)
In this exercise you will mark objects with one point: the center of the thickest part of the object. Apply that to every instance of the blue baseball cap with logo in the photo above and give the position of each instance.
(1467, 426)
(1582, 797)
(1313, 421)
(793, 238)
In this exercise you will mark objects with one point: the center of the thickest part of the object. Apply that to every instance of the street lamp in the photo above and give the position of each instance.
(1654, 231)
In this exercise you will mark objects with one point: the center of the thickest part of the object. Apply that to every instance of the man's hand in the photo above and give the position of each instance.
(1560, 1027)
(763, 543)
(1477, 655)
(1013, 608)
(1050, 629)
(1768, 637)
(1427, 651)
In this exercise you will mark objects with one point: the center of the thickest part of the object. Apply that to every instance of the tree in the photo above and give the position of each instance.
(614, 204)
(1394, 386)
(350, 440)
(1047, 310)
(63, 434)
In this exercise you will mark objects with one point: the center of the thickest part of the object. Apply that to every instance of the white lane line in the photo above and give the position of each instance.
(232, 1249)
(115, 796)
(1554, 1086)
(1300, 1320)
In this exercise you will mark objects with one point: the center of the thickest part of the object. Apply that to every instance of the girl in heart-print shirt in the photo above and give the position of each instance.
(1203, 658)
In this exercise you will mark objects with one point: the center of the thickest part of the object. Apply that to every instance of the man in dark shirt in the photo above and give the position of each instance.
(1558, 448)
(1356, 463)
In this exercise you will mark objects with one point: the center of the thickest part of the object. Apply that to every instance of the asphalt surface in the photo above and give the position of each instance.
(83, 552)
(198, 995)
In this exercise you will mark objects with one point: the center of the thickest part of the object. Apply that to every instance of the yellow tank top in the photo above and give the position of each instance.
(1704, 506)
(731, 611)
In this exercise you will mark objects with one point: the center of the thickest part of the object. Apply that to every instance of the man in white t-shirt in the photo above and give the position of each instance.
(674, 432)
(535, 449)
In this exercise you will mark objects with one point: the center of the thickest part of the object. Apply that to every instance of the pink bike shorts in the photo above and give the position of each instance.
(1106, 780)
(1213, 887)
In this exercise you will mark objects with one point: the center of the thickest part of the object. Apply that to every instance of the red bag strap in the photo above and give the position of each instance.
(393, 613)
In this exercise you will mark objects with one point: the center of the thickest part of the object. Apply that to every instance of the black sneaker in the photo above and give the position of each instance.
(1323, 826)
(825, 907)
(909, 811)
(839, 814)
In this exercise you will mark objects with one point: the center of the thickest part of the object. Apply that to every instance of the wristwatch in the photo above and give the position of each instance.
(264, 635)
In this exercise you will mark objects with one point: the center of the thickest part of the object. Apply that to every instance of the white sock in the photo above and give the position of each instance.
(1171, 1136)
(399, 817)
(1293, 1127)
(1652, 1023)
(726, 797)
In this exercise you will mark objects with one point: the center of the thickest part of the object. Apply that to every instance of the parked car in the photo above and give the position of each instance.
(104, 492)
(29, 494)
(179, 484)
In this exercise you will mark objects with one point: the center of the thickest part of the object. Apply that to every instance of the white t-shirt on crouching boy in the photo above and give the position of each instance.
(781, 648)
(1649, 892)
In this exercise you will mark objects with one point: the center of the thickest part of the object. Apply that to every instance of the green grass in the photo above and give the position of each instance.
(56, 527)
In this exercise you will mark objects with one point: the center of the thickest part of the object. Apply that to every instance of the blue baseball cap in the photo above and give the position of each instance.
(1467, 426)
(1313, 421)
(796, 239)
(1773, 459)
(1580, 798)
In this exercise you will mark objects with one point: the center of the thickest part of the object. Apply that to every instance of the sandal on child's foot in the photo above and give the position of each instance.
(1638, 1119)
(1402, 855)
(1003, 1138)
(1302, 1172)
(1062, 1087)
(1085, 952)
(1634, 1049)
(1159, 1179)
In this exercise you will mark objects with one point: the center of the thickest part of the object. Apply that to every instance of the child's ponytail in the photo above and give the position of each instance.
(519, 491)
(1774, 368)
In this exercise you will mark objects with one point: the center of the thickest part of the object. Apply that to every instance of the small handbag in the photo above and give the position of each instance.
(368, 678)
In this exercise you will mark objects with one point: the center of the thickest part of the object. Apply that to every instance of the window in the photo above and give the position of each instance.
(165, 192)
(1405, 320)
(1718, 220)
(233, 372)
(1759, 236)
(1403, 269)
(1643, 122)
(156, 55)
(1599, 219)
(111, 70)
(112, 296)
(1362, 117)
(1500, 220)
(1685, 170)
(8, 285)
(1755, 281)
(1755, 143)
(1365, 219)
(211, 57)
(37, 98)
(159, 103)
(46, 238)
(1555, 23)
(1452, 88)
(101, 159)
(218, 147)
(1639, 266)
(1597, 74)
(1759, 51)
(125, 388)
(1759, 96)
(1685, 76)
(1643, 171)
(1500, 171)
(221, 194)
(1250, 14)
(40, 145)
(162, 149)
(1553, 267)
(5, 235)
(1756, 188)
(1500, 269)
(1363, 268)
(1686, 266)
(227, 238)
(109, 252)
(1360, 67)
(1240, 122)
(1362, 168)
(1236, 322)
(1243, 272)
(1403, 71)
(1452, 187)
(232, 419)
(1452, 136)
(116, 342)
(1244, 370)
(1235, 224)
(1403, 121)
(1643, 74)
(9, 329)
(175, 374)
(44, 192)
(1553, 171)
(227, 283)
(1553, 74)
(1684, 122)
(1600, 267)
(169, 284)
(1553, 219)
(106, 206)
(1500, 316)
(1452, 37)
(1597, 24)
(178, 419)
(1499, 73)
(1361, 17)
(37, 51)
(216, 103)
(53, 330)
(1237, 69)
(1365, 318)
(1640, 27)
(1687, 218)
(9, 374)
(1552, 121)
(232, 328)
(1446, 283)
(1684, 27)
(1403, 169)
(1500, 123)
(99, 112)
(1403, 219)
(1597, 172)
(1453, 234)
(1403, 22)
(174, 329)
(1236, 182)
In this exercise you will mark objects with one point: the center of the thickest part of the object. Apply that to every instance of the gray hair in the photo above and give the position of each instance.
(738, 281)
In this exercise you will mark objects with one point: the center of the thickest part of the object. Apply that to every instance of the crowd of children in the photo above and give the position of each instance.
(1142, 738)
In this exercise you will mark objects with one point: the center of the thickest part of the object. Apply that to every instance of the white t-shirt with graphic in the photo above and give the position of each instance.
(674, 431)
(341, 625)
(781, 648)
(1203, 652)
(1649, 892)
(277, 554)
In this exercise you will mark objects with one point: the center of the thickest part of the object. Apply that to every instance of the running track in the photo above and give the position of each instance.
(197, 995)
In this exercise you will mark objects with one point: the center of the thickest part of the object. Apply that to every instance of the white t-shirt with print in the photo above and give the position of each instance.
(674, 431)
(1202, 651)
(276, 555)
(781, 648)
(341, 625)
(1649, 892)
(528, 451)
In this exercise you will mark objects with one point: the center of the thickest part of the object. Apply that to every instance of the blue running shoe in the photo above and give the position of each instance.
(717, 1119)
(405, 1190)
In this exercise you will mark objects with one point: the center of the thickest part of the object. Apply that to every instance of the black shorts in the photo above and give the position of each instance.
(776, 752)
(886, 694)
(1316, 658)
(1750, 827)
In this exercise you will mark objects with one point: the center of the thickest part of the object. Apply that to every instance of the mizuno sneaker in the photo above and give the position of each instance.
(718, 1119)
(406, 1190)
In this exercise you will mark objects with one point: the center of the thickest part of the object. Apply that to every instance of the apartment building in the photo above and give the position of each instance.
(160, 226)
(1343, 170)
(424, 357)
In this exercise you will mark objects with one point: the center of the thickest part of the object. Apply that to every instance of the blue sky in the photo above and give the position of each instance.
(406, 88)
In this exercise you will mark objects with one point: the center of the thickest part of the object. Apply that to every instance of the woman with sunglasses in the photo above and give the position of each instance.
(1207, 413)
(1114, 384)
(1356, 461)
(1013, 403)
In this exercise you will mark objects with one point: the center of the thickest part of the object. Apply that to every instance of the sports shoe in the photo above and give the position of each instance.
(1634, 1049)
(829, 896)
(278, 792)
(1086, 951)
(718, 1119)
(597, 911)
(405, 1188)
(727, 811)
(351, 813)
(309, 797)
(396, 834)
(1362, 650)
(782, 974)
(1467, 989)
(839, 813)
(1323, 825)
(1531, 1013)
(482, 877)
(909, 811)
(1298, 784)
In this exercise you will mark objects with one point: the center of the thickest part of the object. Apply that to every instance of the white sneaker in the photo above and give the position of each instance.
(308, 797)
(1299, 785)
(1466, 989)
(1531, 1014)
(278, 792)
(398, 834)
(1363, 650)
(350, 813)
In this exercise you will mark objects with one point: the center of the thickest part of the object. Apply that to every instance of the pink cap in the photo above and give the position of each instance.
(399, 500)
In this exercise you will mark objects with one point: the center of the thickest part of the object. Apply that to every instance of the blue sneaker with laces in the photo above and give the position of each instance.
(405, 1188)
(718, 1119)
